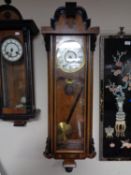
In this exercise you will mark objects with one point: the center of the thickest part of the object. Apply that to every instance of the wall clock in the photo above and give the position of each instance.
(115, 90)
(70, 42)
(16, 65)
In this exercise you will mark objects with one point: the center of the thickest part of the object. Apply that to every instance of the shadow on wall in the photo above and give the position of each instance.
(2, 171)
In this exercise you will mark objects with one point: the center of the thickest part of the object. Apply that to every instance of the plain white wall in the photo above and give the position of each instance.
(21, 149)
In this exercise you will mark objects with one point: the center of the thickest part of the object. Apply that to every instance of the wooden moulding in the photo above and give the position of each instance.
(49, 30)
(14, 111)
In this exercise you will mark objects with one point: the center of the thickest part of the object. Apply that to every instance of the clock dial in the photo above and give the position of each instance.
(12, 49)
(70, 56)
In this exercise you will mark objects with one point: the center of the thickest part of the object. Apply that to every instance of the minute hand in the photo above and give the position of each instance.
(74, 106)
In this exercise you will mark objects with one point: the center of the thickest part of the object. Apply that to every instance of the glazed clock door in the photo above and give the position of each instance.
(70, 77)
(70, 42)
(13, 74)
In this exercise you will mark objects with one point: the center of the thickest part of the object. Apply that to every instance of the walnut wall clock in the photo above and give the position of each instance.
(70, 42)
(16, 65)
(116, 97)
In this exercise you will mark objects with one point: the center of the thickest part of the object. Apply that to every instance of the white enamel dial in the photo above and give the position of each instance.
(11, 49)
(70, 56)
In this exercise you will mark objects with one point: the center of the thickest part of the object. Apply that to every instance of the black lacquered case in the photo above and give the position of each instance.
(115, 97)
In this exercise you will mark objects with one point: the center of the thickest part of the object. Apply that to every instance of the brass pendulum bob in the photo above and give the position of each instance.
(64, 130)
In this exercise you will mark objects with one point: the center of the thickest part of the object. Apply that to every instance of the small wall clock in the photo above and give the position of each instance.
(70, 42)
(115, 97)
(16, 65)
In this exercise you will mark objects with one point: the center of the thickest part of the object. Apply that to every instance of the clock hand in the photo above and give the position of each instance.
(10, 53)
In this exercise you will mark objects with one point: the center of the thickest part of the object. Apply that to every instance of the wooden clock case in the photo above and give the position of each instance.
(16, 78)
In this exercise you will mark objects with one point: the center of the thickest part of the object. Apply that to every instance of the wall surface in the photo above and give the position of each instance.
(21, 149)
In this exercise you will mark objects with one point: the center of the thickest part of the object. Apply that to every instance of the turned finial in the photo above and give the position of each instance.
(121, 33)
(8, 2)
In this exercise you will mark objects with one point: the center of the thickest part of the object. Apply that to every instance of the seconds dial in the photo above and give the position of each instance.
(11, 49)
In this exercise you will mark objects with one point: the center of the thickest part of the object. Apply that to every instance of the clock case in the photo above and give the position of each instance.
(12, 25)
(70, 20)
(115, 96)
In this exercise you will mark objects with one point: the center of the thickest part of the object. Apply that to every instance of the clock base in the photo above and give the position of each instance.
(20, 119)
(20, 123)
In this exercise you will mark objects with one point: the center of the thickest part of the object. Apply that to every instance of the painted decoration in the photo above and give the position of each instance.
(115, 77)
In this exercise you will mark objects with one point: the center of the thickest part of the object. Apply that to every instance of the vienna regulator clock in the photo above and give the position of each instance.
(16, 65)
(70, 42)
